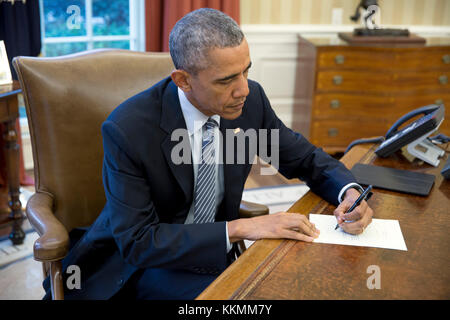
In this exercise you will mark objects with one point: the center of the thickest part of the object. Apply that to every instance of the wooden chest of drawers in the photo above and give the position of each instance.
(360, 92)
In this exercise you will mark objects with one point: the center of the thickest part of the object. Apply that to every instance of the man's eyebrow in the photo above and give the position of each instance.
(234, 75)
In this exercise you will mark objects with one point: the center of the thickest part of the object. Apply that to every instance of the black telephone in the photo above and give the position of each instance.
(433, 115)
(414, 135)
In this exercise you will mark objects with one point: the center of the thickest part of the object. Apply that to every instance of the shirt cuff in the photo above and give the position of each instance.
(348, 186)
(229, 246)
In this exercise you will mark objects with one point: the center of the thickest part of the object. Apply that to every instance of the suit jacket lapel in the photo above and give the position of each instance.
(172, 119)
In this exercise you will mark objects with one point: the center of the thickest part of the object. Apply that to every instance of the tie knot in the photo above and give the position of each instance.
(211, 124)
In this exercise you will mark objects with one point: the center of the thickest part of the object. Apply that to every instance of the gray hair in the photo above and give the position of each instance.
(199, 31)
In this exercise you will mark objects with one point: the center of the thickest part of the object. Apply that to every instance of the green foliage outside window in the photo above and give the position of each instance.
(109, 18)
(115, 15)
(56, 16)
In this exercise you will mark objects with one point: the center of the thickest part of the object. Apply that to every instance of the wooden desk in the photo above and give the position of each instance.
(286, 269)
(9, 112)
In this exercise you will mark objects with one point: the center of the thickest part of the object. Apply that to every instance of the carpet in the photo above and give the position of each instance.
(10, 253)
(278, 198)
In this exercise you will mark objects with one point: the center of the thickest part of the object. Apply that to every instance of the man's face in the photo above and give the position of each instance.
(222, 87)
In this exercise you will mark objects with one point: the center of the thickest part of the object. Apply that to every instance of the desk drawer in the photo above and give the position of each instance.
(389, 59)
(342, 134)
(352, 58)
(349, 106)
(382, 82)
(335, 133)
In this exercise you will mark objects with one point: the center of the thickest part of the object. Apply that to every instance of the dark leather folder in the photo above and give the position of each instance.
(393, 179)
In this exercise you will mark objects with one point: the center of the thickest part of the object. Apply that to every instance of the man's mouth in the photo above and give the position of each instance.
(238, 106)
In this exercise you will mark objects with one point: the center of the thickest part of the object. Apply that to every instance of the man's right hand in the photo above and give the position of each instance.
(281, 225)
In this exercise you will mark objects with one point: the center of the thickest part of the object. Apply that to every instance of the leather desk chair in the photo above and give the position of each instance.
(67, 99)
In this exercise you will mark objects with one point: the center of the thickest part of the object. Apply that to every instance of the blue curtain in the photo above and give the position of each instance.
(20, 28)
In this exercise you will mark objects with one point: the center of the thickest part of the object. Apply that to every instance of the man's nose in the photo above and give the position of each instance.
(241, 90)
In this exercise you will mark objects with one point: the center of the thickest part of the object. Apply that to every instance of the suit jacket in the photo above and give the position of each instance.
(148, 196)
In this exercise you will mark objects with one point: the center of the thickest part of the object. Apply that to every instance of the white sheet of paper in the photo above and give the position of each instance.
(381, 233)
(5, 72)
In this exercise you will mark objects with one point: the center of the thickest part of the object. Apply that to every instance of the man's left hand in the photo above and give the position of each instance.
(354, 222)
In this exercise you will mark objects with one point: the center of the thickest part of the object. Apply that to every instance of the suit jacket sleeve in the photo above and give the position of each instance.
(142, 239)
(298, 158)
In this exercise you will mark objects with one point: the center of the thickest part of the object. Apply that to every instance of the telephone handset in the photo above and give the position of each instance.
(423, 110)
(415, 134)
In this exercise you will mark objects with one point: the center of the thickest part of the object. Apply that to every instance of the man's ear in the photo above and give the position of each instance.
(182, 79)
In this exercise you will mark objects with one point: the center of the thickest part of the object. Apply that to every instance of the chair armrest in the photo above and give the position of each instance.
(251, 209)
(53, 243)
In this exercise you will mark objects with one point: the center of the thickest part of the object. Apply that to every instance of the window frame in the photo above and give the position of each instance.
(136, 36)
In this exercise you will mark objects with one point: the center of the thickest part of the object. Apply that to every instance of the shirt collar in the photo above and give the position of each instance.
(195, 119)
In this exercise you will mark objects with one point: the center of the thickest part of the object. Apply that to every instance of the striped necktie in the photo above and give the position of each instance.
(205, 191)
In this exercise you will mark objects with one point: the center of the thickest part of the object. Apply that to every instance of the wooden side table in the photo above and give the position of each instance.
(9, 112)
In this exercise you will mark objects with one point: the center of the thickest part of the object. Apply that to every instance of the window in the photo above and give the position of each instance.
(70, 26)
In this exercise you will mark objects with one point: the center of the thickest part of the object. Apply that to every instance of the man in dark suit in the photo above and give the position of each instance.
(171, 217)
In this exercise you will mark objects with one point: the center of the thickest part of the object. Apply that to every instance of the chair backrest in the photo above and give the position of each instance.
(67, 98)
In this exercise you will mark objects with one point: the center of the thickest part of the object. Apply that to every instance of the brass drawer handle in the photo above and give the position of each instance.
(332, 132)
(443, 79)
(337, 80)
(335, 104)
(439, 101)
(339, 59)
(446, 58)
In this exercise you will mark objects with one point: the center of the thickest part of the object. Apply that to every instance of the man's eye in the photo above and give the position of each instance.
(226, 81)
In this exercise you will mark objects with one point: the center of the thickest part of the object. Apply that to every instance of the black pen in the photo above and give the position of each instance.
(366, 194)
